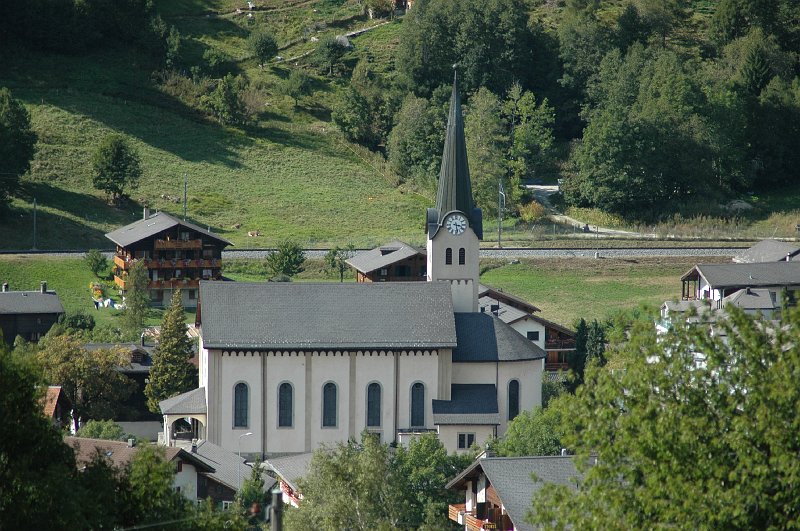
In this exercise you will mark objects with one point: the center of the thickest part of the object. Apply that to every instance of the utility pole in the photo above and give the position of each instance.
(185, 184)
(34, 223)
(501, 203)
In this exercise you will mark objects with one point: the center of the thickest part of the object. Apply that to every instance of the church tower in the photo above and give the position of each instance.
(455, 226)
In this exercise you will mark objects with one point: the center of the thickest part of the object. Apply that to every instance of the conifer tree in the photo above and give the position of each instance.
(136, 299)
(171, 373)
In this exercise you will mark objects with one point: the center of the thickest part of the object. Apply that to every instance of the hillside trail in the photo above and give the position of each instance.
(542, 193)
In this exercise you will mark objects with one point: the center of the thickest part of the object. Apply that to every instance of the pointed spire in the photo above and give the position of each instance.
(455, 190)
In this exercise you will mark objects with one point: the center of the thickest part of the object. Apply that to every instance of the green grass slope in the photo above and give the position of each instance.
(289, 175)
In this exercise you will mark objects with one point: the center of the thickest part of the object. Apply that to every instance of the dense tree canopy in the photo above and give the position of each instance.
(116, 167)
(17, 141)
(698, 431)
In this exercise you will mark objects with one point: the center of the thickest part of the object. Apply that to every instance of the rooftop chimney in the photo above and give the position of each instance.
(146, 213)
(194, 446)
(788, 257)
(131, 443)
(5, 287)
(44, 286)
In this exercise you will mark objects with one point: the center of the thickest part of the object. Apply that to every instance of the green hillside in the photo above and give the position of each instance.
(289, 174)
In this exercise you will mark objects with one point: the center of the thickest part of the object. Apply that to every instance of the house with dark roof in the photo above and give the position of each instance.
(394, 262)
(768, 251)
(177, 254)
(288, 367)
(287, 470)
(498, 491)
(714, 282)
(28, 314)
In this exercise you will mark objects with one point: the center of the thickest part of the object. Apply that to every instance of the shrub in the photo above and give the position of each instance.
(78, 320)
(532, 212)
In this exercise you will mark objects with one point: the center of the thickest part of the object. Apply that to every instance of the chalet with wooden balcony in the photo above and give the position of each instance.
(28, 314)
(498, 490)
(558, 341)
(715, 282)
(178, 254)
(394, 262)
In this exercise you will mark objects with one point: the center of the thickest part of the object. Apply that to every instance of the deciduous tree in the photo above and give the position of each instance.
(90, 379)
(336, 259)
(102, 429)
(699, 430)
(535, 432)
(263, 45)
(95, 261)
(171, 373)
(485, 132)
(17, 142)
(287, 259)
(116, 166)
(296, 86)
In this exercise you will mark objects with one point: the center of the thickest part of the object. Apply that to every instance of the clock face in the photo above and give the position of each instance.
(456, 224)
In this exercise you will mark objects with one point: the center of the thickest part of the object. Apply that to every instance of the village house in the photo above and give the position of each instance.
(715, 282)
(57, 407)
(394, 262)
(768, 251)
(28, 314)
(498, 491)
(178, 254)
(300, 365)
(288, 470)
(202, 470)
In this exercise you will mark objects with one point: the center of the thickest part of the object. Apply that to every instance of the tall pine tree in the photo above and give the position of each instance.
(171, 373)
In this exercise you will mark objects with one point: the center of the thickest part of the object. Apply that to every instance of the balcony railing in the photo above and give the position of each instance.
(174, 284)
(559, 344)
(156, 263)
(179, 244)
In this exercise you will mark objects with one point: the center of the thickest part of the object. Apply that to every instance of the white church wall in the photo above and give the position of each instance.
(529, 374)
(448, 435)
(378, 368)
(329, 367)
(465, 294)
(240, 366)
(285, 367)
(416, 366)
(474, 373)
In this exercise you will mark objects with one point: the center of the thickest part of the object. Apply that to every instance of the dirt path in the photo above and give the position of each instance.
(542, 193)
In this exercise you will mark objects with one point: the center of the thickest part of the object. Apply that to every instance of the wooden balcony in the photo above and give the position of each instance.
(178, 244)
(559, 344)
(155, 263)
(456, 513)
(120, 262)
(174, 284)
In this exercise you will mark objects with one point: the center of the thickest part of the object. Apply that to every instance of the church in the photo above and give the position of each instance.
(288, 367)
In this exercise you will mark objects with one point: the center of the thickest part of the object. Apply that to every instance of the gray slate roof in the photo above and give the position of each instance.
(189, 403)
(383, 256)
(158, 222)
(24, 302)
(753, 299)
(767, 251)
(513, 480)
(485, 338)
(468, 404)
(507, 314)
(289, 315)
(748, 275)
(290, 467)
(226, 465)
(144, 354)
(497, 294)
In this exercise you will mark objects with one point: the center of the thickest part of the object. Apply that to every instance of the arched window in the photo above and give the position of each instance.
(285, 405)
(417, 405)
(329, 405)
(240, 404)
(513, 399)
(462, 256)
(448, 256)
(373, 405)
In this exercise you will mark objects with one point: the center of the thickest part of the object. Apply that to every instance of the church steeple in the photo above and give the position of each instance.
(455, 190)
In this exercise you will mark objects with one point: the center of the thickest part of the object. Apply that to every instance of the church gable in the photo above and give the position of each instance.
(277, 315)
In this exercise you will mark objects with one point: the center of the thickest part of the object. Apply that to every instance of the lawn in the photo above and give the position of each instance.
(568, 289)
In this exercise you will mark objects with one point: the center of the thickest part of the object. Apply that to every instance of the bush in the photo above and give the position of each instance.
(78, 320)
(216, 62)
(532, 212)
(263, 45)
(95, 261)
(101, 429)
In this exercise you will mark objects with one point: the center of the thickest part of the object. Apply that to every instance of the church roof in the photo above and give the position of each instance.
(485, 338)
(455, 190)
(289, 315)
(158, 222)
(468, 404)
(385, 255)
